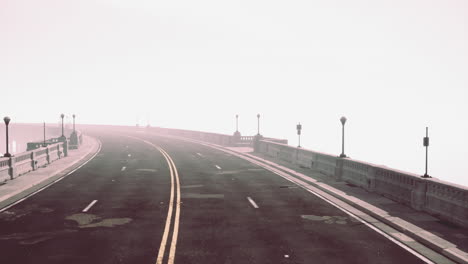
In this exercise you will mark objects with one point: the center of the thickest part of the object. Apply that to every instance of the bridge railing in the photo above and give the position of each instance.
(442, 199)
(215, 138)
(22, 163)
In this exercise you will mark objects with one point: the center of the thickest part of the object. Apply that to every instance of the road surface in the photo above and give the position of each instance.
(117, 209)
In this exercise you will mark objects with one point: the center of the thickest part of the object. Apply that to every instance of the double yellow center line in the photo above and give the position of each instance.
(174, 176)
(170, 221)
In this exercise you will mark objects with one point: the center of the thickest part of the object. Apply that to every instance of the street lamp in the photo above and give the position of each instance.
(299, 128)
(426, 144)
(73, 123)
(237, 123)
(258, 124)
(7, 120)
(63, 135)
(343, 121)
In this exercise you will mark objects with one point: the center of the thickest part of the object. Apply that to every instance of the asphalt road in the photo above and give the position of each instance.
(231, 211)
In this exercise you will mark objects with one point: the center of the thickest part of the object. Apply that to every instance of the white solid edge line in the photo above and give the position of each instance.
(50, 184)
(89, 206)
(415, 253)
(123, 168)
(218, 167)
(252, 202)
(376, 229)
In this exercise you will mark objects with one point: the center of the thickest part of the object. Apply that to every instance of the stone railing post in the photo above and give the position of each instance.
(12, 169)
(74, 139)
(295, 158)
(256, 142)
(33, 161)
(371, 179)
(339, 169)
(236, 138)
(65, 148)
(47, 154)
(418, 194)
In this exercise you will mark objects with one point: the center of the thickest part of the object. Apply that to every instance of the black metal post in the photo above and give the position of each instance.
(299, 128)
(62, 116)
(258, 124)
(426, 144)
(7, 120)
(343, 121)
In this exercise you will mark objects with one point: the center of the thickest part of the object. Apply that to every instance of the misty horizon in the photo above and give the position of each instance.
(392, 69)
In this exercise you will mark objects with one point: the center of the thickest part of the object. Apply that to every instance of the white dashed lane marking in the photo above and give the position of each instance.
(252, 202)
(89, 206)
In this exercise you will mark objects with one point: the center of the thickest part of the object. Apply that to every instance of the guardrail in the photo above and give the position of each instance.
(442, 199)
(25, 162)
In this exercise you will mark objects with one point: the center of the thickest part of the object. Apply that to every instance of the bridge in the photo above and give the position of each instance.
(159, 195)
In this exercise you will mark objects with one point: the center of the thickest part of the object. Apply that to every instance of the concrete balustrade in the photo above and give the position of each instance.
(450, 201)
(4, 169)
(25, 162)
(442, 199)
(215, 138)
(219, 139)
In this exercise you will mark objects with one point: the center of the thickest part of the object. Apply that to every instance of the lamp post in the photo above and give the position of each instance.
(258, 124)
(63, 134)
(237, 123)
(73, 123)
(7, 120)
(299, 128)
(343, 121)
(426, 144)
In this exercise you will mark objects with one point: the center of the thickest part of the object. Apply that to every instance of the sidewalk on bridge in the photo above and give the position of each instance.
(441, 236)
(24, 185)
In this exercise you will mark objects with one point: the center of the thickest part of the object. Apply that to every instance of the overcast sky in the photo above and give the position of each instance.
(392, 67)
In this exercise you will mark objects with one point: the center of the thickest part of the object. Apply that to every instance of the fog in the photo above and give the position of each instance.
(391, 67)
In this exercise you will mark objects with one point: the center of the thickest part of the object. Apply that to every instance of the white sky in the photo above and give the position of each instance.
(392, 67)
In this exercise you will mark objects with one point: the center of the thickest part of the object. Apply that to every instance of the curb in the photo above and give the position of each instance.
(424, 237)
(428, 239)
(56, 176)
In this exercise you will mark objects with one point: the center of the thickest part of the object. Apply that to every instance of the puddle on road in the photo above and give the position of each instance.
(340, 220)
(90, 220)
